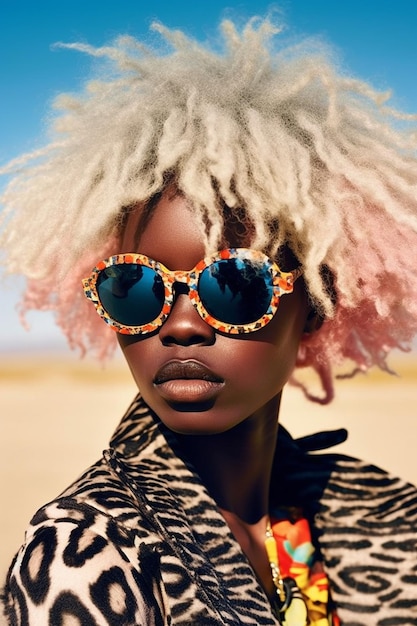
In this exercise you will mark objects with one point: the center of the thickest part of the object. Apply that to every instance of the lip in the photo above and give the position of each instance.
(187, 382)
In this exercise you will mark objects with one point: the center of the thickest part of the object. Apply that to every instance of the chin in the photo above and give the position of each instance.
(193, 422)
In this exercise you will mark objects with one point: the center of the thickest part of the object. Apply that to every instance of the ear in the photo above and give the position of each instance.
(314, 321)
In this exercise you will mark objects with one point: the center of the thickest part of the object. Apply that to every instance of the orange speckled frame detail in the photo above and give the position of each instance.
(246, 262)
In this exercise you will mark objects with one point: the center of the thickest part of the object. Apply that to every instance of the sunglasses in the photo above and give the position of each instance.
(235, 291)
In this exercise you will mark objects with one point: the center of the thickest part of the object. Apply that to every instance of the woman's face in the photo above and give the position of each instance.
(197, 380)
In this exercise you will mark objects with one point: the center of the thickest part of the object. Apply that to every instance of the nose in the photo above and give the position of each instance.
(184, 326)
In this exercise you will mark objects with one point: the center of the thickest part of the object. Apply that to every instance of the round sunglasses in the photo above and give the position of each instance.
(236, 290)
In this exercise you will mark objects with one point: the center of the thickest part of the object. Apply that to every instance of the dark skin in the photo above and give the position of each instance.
(229, 435)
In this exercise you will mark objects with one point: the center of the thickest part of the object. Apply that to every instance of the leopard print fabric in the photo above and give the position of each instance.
(137, 540)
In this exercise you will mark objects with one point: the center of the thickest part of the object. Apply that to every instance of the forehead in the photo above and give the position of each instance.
(170, 222)
(162, 229)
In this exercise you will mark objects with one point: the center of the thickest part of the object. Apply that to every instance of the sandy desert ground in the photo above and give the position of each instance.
(57, 414)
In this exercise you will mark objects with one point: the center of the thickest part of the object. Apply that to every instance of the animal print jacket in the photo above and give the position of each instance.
(137, 540)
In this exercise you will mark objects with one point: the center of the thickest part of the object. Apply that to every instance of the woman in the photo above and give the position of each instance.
(244, 213)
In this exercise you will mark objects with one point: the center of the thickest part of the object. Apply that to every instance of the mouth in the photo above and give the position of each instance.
(183, 382)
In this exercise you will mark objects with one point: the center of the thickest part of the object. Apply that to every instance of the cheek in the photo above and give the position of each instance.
(264, 365)
(261, 363)
(140, 355)
(272, 352)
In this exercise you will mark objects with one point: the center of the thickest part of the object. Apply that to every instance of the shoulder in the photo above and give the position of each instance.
(365, 522)
(87, 556)
(369, 496)
(368, 534)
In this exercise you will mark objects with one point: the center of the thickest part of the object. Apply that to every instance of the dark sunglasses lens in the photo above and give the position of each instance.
(131, 294)
(236, 291)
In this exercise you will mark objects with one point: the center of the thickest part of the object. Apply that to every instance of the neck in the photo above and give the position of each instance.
(236, 465)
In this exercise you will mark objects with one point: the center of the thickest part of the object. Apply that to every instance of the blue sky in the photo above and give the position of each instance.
(375, 39)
